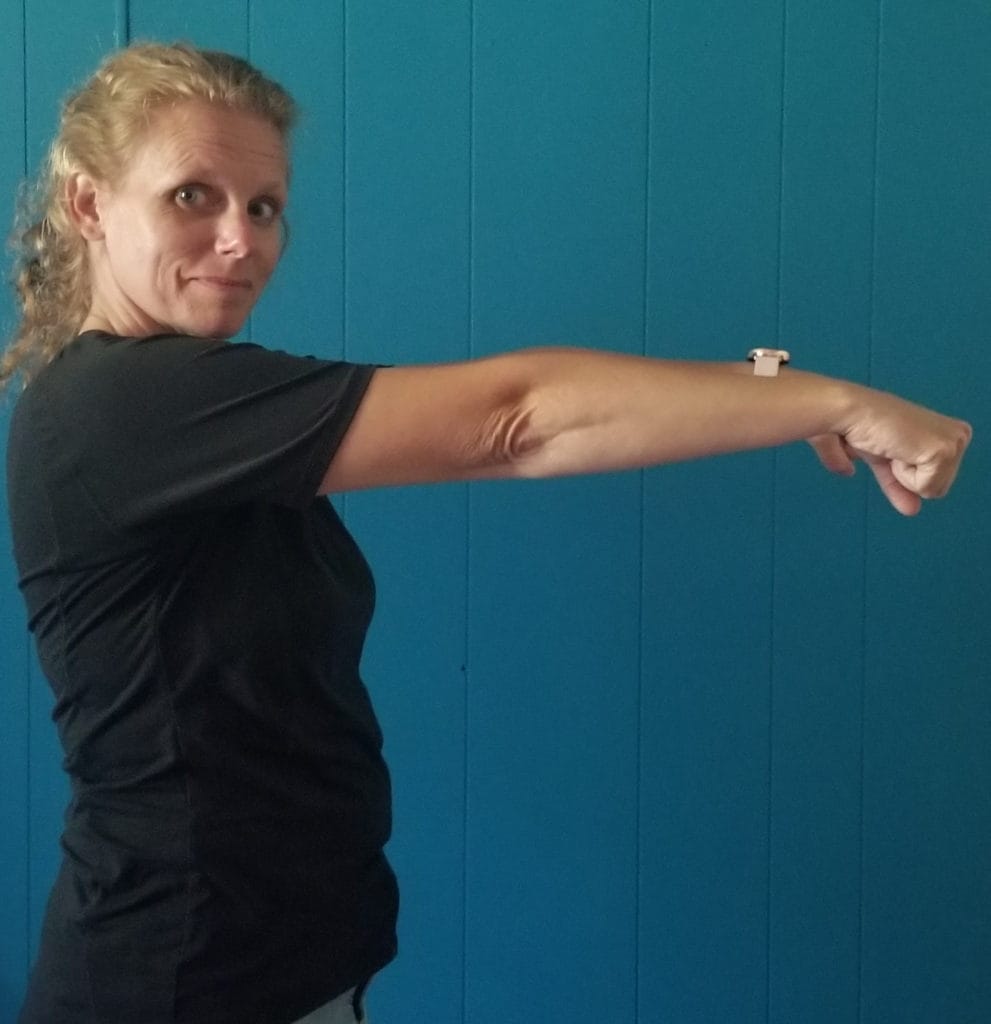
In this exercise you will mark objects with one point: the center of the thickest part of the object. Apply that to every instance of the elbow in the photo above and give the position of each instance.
(509, 443)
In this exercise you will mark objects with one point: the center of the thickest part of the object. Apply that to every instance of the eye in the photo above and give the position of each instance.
(264, 210)
(190, 195)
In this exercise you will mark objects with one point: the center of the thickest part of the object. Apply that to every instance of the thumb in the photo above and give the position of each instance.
(904, 500)
(833, 454)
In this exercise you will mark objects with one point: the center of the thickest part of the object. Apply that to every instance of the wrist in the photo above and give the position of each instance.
(828, 405)
(846, 402)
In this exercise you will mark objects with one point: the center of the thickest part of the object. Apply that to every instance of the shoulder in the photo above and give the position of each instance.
(96, 360)
(96, 355)
(124, 382)
(98, 350)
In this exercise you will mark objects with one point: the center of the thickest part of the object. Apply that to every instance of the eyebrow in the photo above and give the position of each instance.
(197, 173)
(275, 186)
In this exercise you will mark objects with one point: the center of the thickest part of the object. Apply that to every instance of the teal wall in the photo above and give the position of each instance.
(706, 744)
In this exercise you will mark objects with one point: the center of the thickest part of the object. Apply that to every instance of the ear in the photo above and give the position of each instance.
(82, 196)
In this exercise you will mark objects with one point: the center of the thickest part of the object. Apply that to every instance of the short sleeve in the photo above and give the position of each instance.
(169, 425)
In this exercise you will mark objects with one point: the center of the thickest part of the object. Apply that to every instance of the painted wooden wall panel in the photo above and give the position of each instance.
(558, 213)
(221, 24)
(308, 320)
(712, 278)
(407, 299)
(927, 896)
(817, 666)
(14, 651)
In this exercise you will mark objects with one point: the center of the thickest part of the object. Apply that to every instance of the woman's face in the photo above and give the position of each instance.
(188, 238)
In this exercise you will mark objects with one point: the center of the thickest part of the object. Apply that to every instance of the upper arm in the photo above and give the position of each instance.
(423, 424)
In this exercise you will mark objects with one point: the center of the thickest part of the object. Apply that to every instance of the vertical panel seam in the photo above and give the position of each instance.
(470, 268)
(344, 178)
(122, 23)
(28, 775)
(871, 328)
(782, 95)
(645, 314)
(344, 203)
(24, 83)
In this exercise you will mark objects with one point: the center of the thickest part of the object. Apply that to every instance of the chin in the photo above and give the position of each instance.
(224, 333)
(213, 320)
(223, 330)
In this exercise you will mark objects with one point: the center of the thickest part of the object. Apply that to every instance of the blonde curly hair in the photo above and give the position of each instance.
(101, 126)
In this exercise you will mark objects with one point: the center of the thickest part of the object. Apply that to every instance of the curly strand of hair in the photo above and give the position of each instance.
(52, 288)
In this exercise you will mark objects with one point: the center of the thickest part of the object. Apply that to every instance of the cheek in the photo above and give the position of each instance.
(187, 240)
(141, 242)
(180, 253)
(133, 251)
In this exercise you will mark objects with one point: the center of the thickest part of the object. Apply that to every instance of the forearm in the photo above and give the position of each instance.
(590, 411)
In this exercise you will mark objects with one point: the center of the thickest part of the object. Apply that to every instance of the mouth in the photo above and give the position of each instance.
(225, 284)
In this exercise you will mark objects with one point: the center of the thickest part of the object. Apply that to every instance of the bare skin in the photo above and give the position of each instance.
(188, 238)
(554, 412)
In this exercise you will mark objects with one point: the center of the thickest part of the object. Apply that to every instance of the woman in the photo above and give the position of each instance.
(197, 605)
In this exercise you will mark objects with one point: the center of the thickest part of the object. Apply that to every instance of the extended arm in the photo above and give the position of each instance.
(558, 411)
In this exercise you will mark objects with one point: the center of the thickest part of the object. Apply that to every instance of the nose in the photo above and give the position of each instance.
(235, 234)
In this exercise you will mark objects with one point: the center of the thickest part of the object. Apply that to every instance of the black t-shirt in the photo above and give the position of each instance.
(200, 615)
